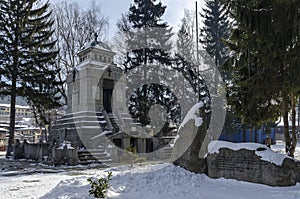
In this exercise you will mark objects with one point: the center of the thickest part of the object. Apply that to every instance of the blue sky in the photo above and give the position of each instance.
(114, 8)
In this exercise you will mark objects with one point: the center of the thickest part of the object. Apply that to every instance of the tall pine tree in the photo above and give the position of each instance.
(213, 35)
(26, 57)
(265, 62)
(215, 31)
(185, 60)
(148, 41)
(185, 44)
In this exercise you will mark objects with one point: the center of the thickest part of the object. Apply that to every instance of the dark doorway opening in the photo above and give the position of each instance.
(133, 143)
(149, 145)
(107, 97)
(118, 142)
(108, 86)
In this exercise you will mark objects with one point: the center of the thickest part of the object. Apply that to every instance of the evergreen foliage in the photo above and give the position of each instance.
(213, 36)
(265, 61)
(215, 31)
(150, 38)
(148, 41)
(185, 42)
(186, 63)
(26, 57)
(99, 187)
(148, 95)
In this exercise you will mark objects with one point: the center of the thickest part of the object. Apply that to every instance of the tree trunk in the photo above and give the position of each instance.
(285, 113)
(294, 138)
(298, 113)
(268, 140)
(11, 136)
(13, 90)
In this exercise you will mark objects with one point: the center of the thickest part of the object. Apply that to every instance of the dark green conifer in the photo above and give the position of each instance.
(265, 62)
(26, 57)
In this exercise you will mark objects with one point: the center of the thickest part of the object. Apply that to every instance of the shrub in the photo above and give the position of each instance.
(99, 187)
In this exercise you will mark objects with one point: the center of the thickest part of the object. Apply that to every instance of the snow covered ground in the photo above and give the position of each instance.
(280, 148)
(162, 181)
(159, 181)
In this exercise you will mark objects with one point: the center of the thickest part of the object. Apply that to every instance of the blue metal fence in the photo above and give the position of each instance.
(258, 136)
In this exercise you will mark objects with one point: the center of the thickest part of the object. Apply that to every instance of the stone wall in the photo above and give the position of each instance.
(64, 156)
(246, 165)
(36, 151)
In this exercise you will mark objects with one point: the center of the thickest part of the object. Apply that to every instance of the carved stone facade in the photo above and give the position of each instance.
(90, 93)
(90, 86)
(97, 116)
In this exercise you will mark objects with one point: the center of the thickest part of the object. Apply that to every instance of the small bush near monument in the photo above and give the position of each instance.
(131, 157)
(99, 187)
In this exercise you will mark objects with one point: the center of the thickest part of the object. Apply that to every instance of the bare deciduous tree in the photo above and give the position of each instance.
(74, 28)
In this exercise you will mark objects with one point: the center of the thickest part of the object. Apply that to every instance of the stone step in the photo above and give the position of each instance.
(95, 156)
(168, 152)
(93, 151)
(95, 162)
(99, 154)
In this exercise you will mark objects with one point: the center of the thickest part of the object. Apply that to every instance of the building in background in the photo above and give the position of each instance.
(21, 113)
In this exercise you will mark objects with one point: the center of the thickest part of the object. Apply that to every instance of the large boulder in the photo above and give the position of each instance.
(187, 148)
(253, 163)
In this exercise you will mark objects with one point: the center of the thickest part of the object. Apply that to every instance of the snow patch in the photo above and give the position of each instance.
(193, 115)
(266, 154)
(65, 144)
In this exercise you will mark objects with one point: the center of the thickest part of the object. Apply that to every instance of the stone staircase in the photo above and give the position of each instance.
(116, 124)
(167, 152)
(95, 156)
(95, 126)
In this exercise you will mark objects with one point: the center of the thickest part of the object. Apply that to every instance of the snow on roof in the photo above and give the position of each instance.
(267, 154)
(29, 128)
(97, 44)
(2, 129)
(17, 106)
(21, 126)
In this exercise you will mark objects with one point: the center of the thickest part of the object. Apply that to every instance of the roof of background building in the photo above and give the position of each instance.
(2, 129)
(17, 106)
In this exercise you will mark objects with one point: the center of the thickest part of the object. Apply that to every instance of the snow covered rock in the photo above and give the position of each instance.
(251, 162)
(187, 148)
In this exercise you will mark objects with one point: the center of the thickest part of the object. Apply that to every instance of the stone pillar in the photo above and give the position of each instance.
(126, 143)
(41, 152)
(141, 145)
(113, 151)
(72, 157)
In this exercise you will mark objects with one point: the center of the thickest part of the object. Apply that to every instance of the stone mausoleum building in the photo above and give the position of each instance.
(91, 116)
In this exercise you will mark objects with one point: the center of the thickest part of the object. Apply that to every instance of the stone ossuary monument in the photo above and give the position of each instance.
(92, 94)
